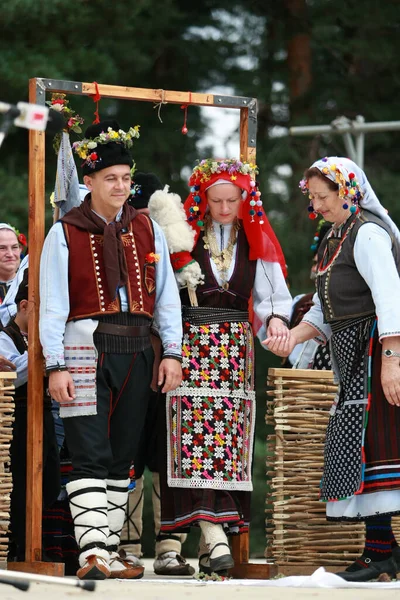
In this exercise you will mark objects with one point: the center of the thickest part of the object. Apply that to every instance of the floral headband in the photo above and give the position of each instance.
(240, 173)
(86, 148)
(349, 187)
(20, 236)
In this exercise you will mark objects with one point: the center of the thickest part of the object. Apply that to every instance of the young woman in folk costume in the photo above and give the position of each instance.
(234, 257)
(357, 309)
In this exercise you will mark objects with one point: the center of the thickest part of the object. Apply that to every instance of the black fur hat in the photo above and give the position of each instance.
(105, 155)
(143, 187)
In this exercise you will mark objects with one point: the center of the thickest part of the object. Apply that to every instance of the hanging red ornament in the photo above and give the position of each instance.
(185, 107)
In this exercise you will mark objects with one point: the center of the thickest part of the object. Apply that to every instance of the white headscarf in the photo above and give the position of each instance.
(369, 199)
(7, 226)
(223, 182)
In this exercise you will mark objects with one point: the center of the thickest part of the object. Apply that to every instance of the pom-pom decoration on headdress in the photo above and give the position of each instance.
(86, 148)
(240, 173)
(350, 192)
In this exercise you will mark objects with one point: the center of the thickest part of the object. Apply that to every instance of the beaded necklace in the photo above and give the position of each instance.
(323, 269)
(222, 258)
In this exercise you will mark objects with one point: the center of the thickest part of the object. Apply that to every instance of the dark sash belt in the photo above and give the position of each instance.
(124, 330)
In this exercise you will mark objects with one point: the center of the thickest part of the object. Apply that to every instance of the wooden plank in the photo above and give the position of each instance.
(254, 571)
(148, 95)
(300, 373)
(8, 375)
(38, 568)
(35, 359)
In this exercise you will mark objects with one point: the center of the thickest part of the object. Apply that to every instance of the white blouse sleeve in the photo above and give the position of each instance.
(315, 318)
(270, 292)
(375, 263)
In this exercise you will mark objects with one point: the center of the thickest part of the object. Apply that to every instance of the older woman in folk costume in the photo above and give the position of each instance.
(357, 309)
(211, 416)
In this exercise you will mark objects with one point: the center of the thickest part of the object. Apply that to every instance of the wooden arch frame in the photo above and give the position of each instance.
(37, 95)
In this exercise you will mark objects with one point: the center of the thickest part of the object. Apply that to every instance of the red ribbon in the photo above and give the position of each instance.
(96, 98)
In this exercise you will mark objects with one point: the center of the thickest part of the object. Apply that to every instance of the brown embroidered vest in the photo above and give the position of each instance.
(240, 284)
(88, 290)
(343, 292)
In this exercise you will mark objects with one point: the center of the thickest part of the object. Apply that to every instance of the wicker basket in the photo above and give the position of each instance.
(298, 534)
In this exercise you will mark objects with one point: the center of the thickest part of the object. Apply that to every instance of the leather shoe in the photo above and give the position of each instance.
(221, 563)
(371, 570)
(95, 567)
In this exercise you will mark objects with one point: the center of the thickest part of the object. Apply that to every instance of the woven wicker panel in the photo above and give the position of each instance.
(6, 419)
(297, 530)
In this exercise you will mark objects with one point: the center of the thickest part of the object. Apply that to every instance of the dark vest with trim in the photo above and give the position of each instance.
(88, 290)
(343, 292)
(241, 282)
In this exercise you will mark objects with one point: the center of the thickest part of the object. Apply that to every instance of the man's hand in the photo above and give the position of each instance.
(390, 379)
(6, 365)
(169, 374)
(61, 386)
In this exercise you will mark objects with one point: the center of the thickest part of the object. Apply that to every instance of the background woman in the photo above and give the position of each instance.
(357, 308)
(211, 416)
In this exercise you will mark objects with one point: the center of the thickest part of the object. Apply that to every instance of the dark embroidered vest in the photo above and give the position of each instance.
(88, 290)
(343, 292)
(240, 284)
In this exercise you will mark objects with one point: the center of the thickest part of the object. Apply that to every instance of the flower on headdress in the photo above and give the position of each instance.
(22, 239)
(208, 167)
(152, 258)
(82, 148)
(73, 121)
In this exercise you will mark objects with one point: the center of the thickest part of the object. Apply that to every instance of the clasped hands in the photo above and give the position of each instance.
(280, 339)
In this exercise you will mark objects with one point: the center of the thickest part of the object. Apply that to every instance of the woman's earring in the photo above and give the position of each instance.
(311, 212)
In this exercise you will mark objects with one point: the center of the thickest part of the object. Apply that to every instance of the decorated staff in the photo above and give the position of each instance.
(357, 309)
(230, 254)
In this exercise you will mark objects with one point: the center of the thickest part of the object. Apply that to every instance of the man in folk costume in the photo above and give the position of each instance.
(231, 254)
(105, 274)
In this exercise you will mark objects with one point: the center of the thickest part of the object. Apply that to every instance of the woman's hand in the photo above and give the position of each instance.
(390, 379)
(278, 338)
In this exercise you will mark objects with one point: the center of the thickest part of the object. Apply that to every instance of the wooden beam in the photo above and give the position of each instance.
(35, 360)
(300, 374)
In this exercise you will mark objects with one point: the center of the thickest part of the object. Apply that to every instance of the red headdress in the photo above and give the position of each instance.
(260, 235)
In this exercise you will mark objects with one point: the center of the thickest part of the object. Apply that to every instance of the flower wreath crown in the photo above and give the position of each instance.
(208, 167)
(85, 149)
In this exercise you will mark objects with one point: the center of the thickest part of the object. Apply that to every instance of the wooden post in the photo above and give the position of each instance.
(34, 476)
